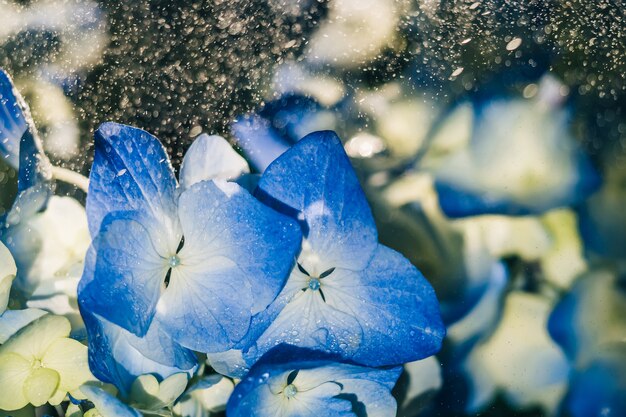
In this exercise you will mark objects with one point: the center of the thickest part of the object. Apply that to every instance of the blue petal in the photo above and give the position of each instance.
(235, 259)
(397, 309)
(13, 123)
(124, 273)
(106, 404)
(131, 171)
(315, 183)
(322, 385)
(589, 315)
(457, 202)
(118, 357)
(598, 389)
(34, 166)
(261, 144)
(278, 125)
(20, 145)
(386, 314)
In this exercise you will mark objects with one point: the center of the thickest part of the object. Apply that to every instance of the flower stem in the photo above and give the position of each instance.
(70, 177)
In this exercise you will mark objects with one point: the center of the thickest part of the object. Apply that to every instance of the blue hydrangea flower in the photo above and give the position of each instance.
(201, 260)
(300, 382)
(520, 159)
(348, 294)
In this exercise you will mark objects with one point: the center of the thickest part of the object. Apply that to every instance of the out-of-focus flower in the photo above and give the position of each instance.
(265, 135)
(348, 295)
(207, 396)
(50, 246)
(591, 315)
(519, 359)
(203, 290)
(423, 380)
(302, 382)
(603, 220)
(521, 159)
(54, 116)
(41, 364)
(355, 32)
(401, 119)
(11, 321)
(56, 38)
(598, 388)
(296, 78)
(7, 275)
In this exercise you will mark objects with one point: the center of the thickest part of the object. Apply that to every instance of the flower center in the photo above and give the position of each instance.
(174, 261)
(37, 364)
(290, 391)
(314, 284)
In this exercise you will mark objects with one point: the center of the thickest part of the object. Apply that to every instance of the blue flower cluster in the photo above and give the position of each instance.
(207, 266)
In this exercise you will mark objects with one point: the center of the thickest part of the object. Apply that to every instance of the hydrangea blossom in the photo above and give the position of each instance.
(590, 315)
(520, 160)
(300, 382)
(348, 294)
(201, 260)
(519, 358)
(41, 364)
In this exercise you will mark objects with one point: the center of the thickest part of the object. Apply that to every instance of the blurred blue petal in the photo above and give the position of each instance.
(300, 382)
(20, 145)
(13, 123)
(264, 136)
(602, 221)
(13, 320)
(261, 144)
(590, 315)
(598, 389)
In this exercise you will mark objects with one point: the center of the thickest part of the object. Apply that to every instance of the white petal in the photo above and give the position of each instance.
(210, 158)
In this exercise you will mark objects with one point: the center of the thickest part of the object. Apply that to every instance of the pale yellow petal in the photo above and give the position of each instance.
(7, 274)
(58, 397)
(69, 358)
(14, 369)
(40, 385)
(172, 387)
(33, 341)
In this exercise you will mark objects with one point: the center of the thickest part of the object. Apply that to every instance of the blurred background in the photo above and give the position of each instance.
(490, 137)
